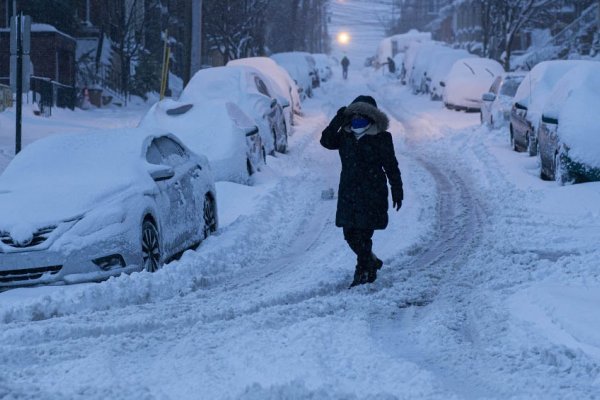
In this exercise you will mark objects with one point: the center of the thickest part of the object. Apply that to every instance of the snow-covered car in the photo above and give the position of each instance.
(278, 81)
(467, 81)
(88, 206)
(301, 67)
(531, 96)
(424, 59)
(324, 64)
(569, 133)
(218, 129)
(496, 104)
(436, 74)
(244, 86)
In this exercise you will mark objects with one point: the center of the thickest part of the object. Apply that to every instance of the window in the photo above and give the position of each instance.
(153, 155)
(495, 85)
(166, 151)
(260, 85)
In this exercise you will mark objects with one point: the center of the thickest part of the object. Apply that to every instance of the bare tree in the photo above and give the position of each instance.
(235, 27)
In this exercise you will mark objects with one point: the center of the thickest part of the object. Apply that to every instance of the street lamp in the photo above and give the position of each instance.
(343, 38)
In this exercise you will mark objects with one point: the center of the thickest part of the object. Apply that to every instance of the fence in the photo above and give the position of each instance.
(46, 93)
(5, 97)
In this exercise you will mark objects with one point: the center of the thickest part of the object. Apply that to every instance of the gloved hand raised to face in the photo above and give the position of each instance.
(338, 120)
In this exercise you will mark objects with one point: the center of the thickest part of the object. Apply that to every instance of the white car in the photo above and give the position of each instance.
(497, 102)
(467, 81)
(529, 101)
(219, 129)
(245, 87)
(85, 207)
(438, 71)
(301, 67)
(568, 136)
(325, 64)
(278, 81)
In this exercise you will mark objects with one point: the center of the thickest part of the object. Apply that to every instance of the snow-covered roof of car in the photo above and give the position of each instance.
(537, 85)
(574, 102)
(217, 83)
(207, 128)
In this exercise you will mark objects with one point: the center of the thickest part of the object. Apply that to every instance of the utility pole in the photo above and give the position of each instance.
(20, 44)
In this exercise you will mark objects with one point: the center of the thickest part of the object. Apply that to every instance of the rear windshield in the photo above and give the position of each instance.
(509, 86)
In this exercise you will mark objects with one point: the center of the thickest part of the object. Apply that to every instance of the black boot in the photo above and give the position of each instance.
(360, 276)
(377, 261)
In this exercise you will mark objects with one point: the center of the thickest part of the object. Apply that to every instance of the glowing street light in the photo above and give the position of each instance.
(343, 38)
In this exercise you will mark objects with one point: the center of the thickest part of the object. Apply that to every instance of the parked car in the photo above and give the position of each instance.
(244, 86)
(438, 71)
(568, 136)
(531, 96)
(467, 81)
(301, 67)
(88, 206)
(280, 83)
(219, 129)
(324, 65)
(496, 104)
(424, 58)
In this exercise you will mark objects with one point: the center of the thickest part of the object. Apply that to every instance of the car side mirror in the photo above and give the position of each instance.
(251, 131)
(162, 173)
(273, 103)
(488, 97)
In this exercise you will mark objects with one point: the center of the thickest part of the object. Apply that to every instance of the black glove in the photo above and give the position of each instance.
(338, 120)
(397, 197)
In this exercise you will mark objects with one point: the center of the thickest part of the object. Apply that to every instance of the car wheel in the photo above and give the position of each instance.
(513, 143)
(249, 167)
(560, 175)
(150, 246)
(284, 140)
(543, 175)
(210, 216)
(531, 146)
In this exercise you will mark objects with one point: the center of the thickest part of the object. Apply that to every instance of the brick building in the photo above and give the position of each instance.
(52, 54)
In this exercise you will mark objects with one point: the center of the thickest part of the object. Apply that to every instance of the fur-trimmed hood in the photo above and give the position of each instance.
(380, 120)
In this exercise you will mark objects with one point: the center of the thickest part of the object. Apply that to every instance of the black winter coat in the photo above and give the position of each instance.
(363, 191)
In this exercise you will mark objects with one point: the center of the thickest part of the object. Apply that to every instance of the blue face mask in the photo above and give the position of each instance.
(360, 122)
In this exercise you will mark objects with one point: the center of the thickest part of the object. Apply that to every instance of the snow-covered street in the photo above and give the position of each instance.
(489, 289)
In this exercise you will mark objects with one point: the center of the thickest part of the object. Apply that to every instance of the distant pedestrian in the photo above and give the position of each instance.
(391, 65)
(345, 64)
(359, 133)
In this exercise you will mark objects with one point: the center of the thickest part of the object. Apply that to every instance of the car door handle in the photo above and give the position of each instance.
(196, 172)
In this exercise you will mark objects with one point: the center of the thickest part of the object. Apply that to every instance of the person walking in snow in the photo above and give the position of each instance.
(359, 133)
(391, 65)
(345, 64)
